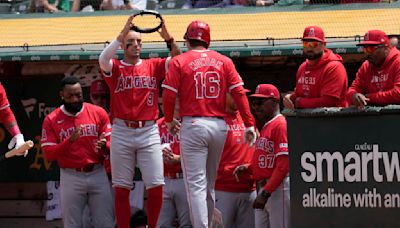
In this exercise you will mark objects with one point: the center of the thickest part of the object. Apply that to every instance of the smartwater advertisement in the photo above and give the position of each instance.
(345, 171)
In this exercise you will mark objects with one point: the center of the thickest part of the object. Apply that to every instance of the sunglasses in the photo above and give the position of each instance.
(312, 44)
(370, 49)
(257, 102)
(261, 101)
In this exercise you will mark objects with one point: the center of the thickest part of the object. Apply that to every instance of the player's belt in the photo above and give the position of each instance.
(139, 123)
(173, 175)
(88, 168)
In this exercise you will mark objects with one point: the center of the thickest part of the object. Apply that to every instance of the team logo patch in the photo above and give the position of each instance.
(283, 145)
(258, 89)
(311, 32)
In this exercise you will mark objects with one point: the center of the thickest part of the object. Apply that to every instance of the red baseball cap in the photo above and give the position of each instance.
(99, 86)
(314, 33)
(375, 37)
(266, 91)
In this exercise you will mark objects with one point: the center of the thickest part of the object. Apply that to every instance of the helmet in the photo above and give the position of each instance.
(198, 30)
(99, 86)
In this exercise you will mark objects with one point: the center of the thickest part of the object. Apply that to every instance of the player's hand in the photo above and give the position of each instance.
(287, 102)
(169, 157)
(16, 142)
(76, 134)
(126, 29)
(360, 100)
(174, 126)
(102, 142)
(239, 170)
(261, 200)
(164, 32)
(250, 135)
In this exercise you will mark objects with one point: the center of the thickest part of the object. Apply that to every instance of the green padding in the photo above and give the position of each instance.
(324, 112)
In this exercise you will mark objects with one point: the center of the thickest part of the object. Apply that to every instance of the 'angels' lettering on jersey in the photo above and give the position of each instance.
(380, 80)
(306, 80)
(87, 130)
(235, 127)
(205, 62)
(169, 138)
(265, 145)
(129, 82)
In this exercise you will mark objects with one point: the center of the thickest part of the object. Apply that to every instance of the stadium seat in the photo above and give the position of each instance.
(152, 4)
(22, 7)
(5, 7)
(172, 4)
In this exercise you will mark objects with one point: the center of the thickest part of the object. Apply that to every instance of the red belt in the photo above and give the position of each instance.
(173, 175)
(136, 124)
(86, 169)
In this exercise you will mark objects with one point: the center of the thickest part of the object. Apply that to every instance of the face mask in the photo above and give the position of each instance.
(73, 107)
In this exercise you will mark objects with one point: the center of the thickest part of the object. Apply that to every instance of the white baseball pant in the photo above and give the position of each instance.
(78, 189)
(202, 143)
(174, 205)
(236, 208)
(276, 213)
(132, 147)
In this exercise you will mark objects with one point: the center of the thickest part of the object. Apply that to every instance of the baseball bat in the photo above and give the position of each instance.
(26, 146)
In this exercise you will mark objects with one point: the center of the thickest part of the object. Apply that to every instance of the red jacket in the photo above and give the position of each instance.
(327, 79)
(381, 85)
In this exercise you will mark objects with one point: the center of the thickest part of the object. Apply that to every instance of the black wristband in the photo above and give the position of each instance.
(265, 194)
(169, 42)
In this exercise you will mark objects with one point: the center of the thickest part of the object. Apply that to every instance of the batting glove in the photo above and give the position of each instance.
(250, 135)
(16, 142)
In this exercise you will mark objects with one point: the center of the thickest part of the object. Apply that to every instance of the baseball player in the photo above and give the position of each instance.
(270, 163)
(71, 135)
(8, 120)
(321, 81)
(378, 79)
(174, 204)
(202, 77)
(100, 96)
(234, 198)
(134, 83)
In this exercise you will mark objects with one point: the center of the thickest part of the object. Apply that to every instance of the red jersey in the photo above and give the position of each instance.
(202, 78)
(134, 88)
(3, 98)
(235, 153)
(167, 137)
(59, 125)
(107, 158)
(381, 84)
(272, 142)
(327, 78)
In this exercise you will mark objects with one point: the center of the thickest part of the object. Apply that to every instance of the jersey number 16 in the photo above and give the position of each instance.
(207, 84)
